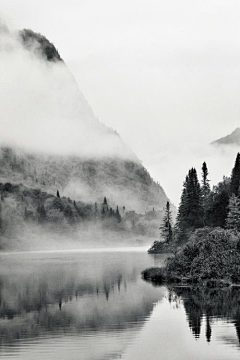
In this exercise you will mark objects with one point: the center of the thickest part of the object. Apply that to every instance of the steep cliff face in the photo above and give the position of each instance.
(54, 141)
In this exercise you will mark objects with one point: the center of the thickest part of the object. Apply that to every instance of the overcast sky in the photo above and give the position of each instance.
(164, 74)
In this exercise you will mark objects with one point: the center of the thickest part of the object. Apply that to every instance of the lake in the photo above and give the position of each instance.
(93, 305)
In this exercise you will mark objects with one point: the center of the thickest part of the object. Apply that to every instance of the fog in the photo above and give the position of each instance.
(174, 162)
(42, 108)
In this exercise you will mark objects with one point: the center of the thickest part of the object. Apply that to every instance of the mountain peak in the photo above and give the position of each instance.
(39, 44)
(231, 139)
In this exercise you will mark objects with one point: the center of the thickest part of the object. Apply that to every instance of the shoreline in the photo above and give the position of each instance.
(158, 276)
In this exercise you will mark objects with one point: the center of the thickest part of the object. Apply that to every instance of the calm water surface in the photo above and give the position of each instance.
(95, 306)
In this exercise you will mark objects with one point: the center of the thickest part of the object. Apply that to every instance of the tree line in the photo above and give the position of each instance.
(200, 206)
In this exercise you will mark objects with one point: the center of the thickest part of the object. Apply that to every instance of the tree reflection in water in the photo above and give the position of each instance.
(211, 304)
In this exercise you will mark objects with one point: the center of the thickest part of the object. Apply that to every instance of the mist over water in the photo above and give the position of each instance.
(94, 305)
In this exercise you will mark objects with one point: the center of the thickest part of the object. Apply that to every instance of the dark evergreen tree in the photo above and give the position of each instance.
(235, 176)
(58, 195)
(181, 221)
(166, 227)
(205, 181)
(105, 201)
(190, 212)
(216, 204)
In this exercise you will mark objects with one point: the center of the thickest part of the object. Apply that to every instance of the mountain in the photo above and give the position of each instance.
(52, 141)
(231, 139)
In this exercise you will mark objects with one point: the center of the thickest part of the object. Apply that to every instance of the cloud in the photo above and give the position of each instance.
(42, 108)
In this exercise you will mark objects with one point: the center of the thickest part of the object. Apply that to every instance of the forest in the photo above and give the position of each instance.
(25, 212)
(206, 237)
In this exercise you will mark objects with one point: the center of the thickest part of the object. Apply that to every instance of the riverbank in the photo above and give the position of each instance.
(160, 247)
(158, 276)
(212, 260)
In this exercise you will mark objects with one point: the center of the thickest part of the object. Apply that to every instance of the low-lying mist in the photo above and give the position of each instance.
(88, 236)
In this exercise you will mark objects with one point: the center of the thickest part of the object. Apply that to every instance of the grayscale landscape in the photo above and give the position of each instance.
(119, 180)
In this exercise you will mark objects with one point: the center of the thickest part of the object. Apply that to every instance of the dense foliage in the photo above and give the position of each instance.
(201, 207)
(124, 183)
(209, 254)
(215, 255)
(166, 227)
(190, 212)
(23, 208)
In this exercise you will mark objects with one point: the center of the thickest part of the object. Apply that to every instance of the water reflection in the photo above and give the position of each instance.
(95, 306)
(77, 298)
(208, 304)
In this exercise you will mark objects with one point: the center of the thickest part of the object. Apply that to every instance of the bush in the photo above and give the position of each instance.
(212, 256)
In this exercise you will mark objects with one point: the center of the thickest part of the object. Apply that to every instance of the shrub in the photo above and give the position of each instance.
(212, 256)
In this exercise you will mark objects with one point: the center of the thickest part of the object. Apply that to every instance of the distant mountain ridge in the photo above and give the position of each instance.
(111, 170)
(231, 139)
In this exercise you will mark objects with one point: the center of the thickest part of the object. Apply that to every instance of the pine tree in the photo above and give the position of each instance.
(166, 227)
(216, 204)
(181, 221)
(233, 217)
(235, 176)
(205, 181)
(58, 195)
(190, 212)
(105, 201)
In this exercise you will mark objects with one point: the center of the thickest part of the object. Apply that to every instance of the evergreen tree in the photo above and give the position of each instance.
(190, 212)
(235, 176)
(166, 227)
(181, 221)
(58, 195)
(216, 204)
(233, 217)
(205, 181)
(105, 201)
